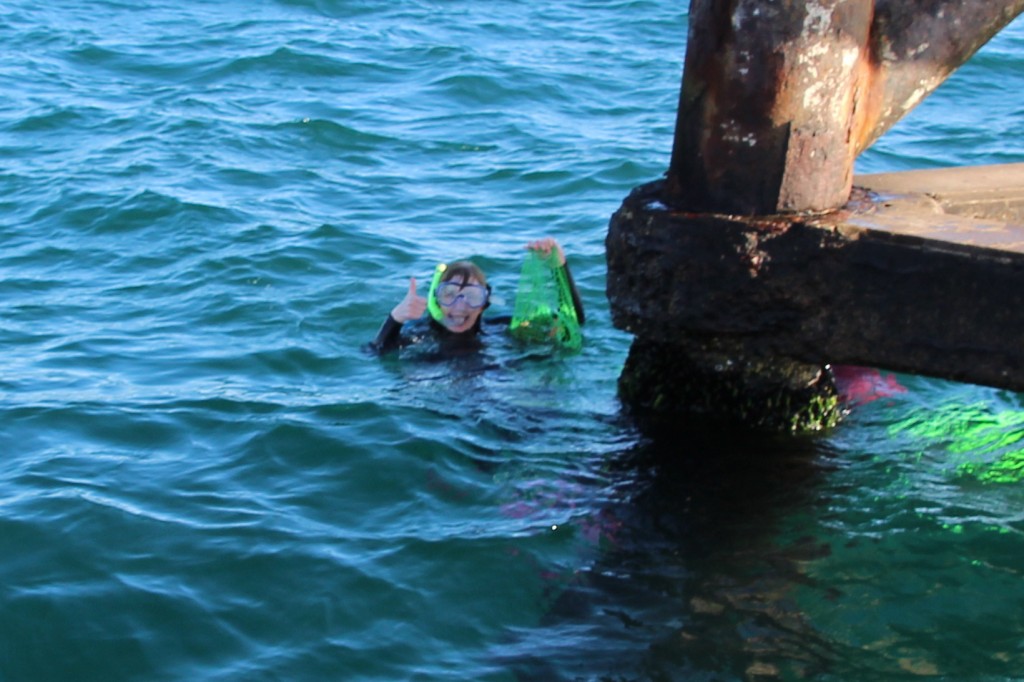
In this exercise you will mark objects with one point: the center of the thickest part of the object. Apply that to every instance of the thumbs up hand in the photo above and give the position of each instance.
(411, 307)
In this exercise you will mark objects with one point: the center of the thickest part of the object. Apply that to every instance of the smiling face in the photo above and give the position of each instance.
(462, 301)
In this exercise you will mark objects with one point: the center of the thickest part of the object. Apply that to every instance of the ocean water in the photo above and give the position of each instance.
(207, 210)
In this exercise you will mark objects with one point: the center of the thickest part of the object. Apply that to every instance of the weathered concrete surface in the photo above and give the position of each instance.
(779, 98)
(913, 275)
(988, 193)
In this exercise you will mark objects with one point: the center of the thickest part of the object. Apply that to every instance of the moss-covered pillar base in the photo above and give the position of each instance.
(697, 385)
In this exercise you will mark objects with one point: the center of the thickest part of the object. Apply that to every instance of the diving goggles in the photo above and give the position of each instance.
(474, 295)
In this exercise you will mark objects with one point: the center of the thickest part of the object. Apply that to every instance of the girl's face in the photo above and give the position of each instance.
(461, 302)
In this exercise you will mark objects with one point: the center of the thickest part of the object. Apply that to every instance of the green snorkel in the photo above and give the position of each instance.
(432, 305)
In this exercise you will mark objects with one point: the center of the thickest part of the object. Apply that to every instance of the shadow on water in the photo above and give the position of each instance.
(686, 562)
(694, 570)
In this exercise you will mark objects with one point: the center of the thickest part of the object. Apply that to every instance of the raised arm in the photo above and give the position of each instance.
(549, 246)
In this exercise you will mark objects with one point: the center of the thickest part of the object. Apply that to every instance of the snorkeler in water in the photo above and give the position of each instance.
(457, 298)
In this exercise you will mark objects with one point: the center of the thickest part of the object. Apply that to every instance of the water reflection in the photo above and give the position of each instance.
(694, 571)
(712, 555)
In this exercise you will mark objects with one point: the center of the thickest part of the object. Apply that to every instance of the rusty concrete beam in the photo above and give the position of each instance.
(778, 98)
(768, 91)
(916, 45)
(897, 279)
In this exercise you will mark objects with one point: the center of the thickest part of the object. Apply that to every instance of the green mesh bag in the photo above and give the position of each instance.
(544, 311)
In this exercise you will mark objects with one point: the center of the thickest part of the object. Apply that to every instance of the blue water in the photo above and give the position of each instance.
(206, 211)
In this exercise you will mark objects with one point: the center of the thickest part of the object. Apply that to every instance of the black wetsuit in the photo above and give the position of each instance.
(390, 335)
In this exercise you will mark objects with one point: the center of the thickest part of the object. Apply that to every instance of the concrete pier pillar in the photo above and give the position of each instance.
(778, 98)
(770, 94)
(720, 272)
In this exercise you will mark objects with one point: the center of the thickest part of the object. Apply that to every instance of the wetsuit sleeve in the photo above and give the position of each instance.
(388, 337)
(577, 302)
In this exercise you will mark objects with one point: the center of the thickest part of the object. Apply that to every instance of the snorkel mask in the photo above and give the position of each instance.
(445, 293)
